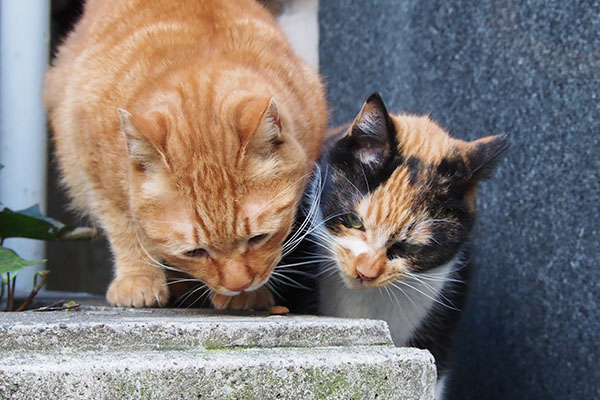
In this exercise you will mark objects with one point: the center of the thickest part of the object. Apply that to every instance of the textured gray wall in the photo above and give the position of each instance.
(532, 69)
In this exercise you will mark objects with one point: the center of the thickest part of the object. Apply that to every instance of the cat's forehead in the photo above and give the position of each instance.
(420, 140)
(391, 206)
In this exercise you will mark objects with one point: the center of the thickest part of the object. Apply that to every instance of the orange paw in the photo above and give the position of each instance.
(138, 291)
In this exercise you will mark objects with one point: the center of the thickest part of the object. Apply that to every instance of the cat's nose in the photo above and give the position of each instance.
(239, 288)
(367, 276)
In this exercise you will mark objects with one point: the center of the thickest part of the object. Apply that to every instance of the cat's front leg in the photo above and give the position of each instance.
(138, 289)
(259, 299)
(139, 281)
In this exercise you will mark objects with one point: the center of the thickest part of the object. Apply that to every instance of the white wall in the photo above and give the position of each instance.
(24, 41)
(299, 20)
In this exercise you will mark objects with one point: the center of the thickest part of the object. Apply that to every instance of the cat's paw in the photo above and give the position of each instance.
(259, 299)
(138, 291)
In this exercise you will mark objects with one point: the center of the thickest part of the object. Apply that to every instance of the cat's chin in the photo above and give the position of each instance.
(252, 288)
(354, 284)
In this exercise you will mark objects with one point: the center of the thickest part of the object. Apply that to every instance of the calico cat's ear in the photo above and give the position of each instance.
(143, 148)
(482, 155)
(260, 125)
(372, 132)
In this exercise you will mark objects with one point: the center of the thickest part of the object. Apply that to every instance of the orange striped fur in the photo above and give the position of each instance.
(185, 128)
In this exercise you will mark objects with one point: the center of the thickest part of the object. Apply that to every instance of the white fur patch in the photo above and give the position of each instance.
(368, 157)
(404, 312)
(355, 245)
(440, 387)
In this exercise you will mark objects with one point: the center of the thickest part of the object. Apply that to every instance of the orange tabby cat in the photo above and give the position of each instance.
(187, 129)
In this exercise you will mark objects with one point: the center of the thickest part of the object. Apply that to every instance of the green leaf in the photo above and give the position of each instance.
(30, 223)
(11, 262)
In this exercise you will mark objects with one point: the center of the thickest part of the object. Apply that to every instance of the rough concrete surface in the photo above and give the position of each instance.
(109, 353)
(109, 328)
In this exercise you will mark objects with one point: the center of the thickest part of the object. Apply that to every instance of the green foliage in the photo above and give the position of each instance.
(29, 223)
(10, 262)
(32, 224)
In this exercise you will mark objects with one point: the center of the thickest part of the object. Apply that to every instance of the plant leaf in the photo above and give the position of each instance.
(30, 223)
(11, 262)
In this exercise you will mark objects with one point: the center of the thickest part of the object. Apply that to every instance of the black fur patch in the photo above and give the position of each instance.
(415, 166)
(437, 329)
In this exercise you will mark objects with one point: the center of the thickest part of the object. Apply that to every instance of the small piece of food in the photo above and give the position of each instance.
(279, 310)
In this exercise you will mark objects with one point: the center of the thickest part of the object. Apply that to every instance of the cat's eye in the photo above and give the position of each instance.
(352, 221)
(255, 240)
(405, 249)
(196, 253)
(412, 249)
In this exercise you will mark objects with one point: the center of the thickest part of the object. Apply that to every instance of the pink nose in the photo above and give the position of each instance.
(364, 277)
(241, 288)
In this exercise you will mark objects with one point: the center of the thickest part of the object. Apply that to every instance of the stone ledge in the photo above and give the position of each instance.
(109, 353)
(108, 327)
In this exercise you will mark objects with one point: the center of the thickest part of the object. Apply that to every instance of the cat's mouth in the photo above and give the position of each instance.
(355, 283)
(253, 286)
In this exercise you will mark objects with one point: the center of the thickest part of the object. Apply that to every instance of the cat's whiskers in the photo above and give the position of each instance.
(314, 232)
(393, 297)
(435, 277)
(329, 269)
(433, 290)
(271, 286)
(365, 176)
(323, 245)
(312, 261)
(297, 272)
(173, 282)
(297, 237)
(183, 298)
(405, 295)
(358, 191)
(286, 280)
(423, 293)
(200, 298)
(156, 262)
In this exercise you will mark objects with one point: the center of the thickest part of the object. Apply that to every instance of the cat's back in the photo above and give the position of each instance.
(119, 46)
(124, 52)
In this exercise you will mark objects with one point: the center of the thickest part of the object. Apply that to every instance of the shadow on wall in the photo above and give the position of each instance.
(74, 266)
(533, 70)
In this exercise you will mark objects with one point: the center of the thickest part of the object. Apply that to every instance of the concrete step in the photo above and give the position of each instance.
(108, 327)
(109, 353)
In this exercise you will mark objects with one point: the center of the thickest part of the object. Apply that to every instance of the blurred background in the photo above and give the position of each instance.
(530, 68)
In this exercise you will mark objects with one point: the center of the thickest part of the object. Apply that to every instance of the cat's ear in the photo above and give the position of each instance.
(482, 155)
(260, 125)
(372, 132)
(143, 147)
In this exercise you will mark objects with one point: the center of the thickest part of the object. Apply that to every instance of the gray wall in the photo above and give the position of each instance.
(532, 69)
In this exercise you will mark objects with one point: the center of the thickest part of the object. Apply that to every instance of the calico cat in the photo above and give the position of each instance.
(392, 205)
(188, 130)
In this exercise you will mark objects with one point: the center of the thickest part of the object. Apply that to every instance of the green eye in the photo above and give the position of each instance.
(412, 249)
(403, 249)
(352, 221)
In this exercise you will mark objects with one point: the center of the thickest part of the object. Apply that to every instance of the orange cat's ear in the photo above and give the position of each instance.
(260, 125)
(372, 132)
(143, 147)
(482, 155)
